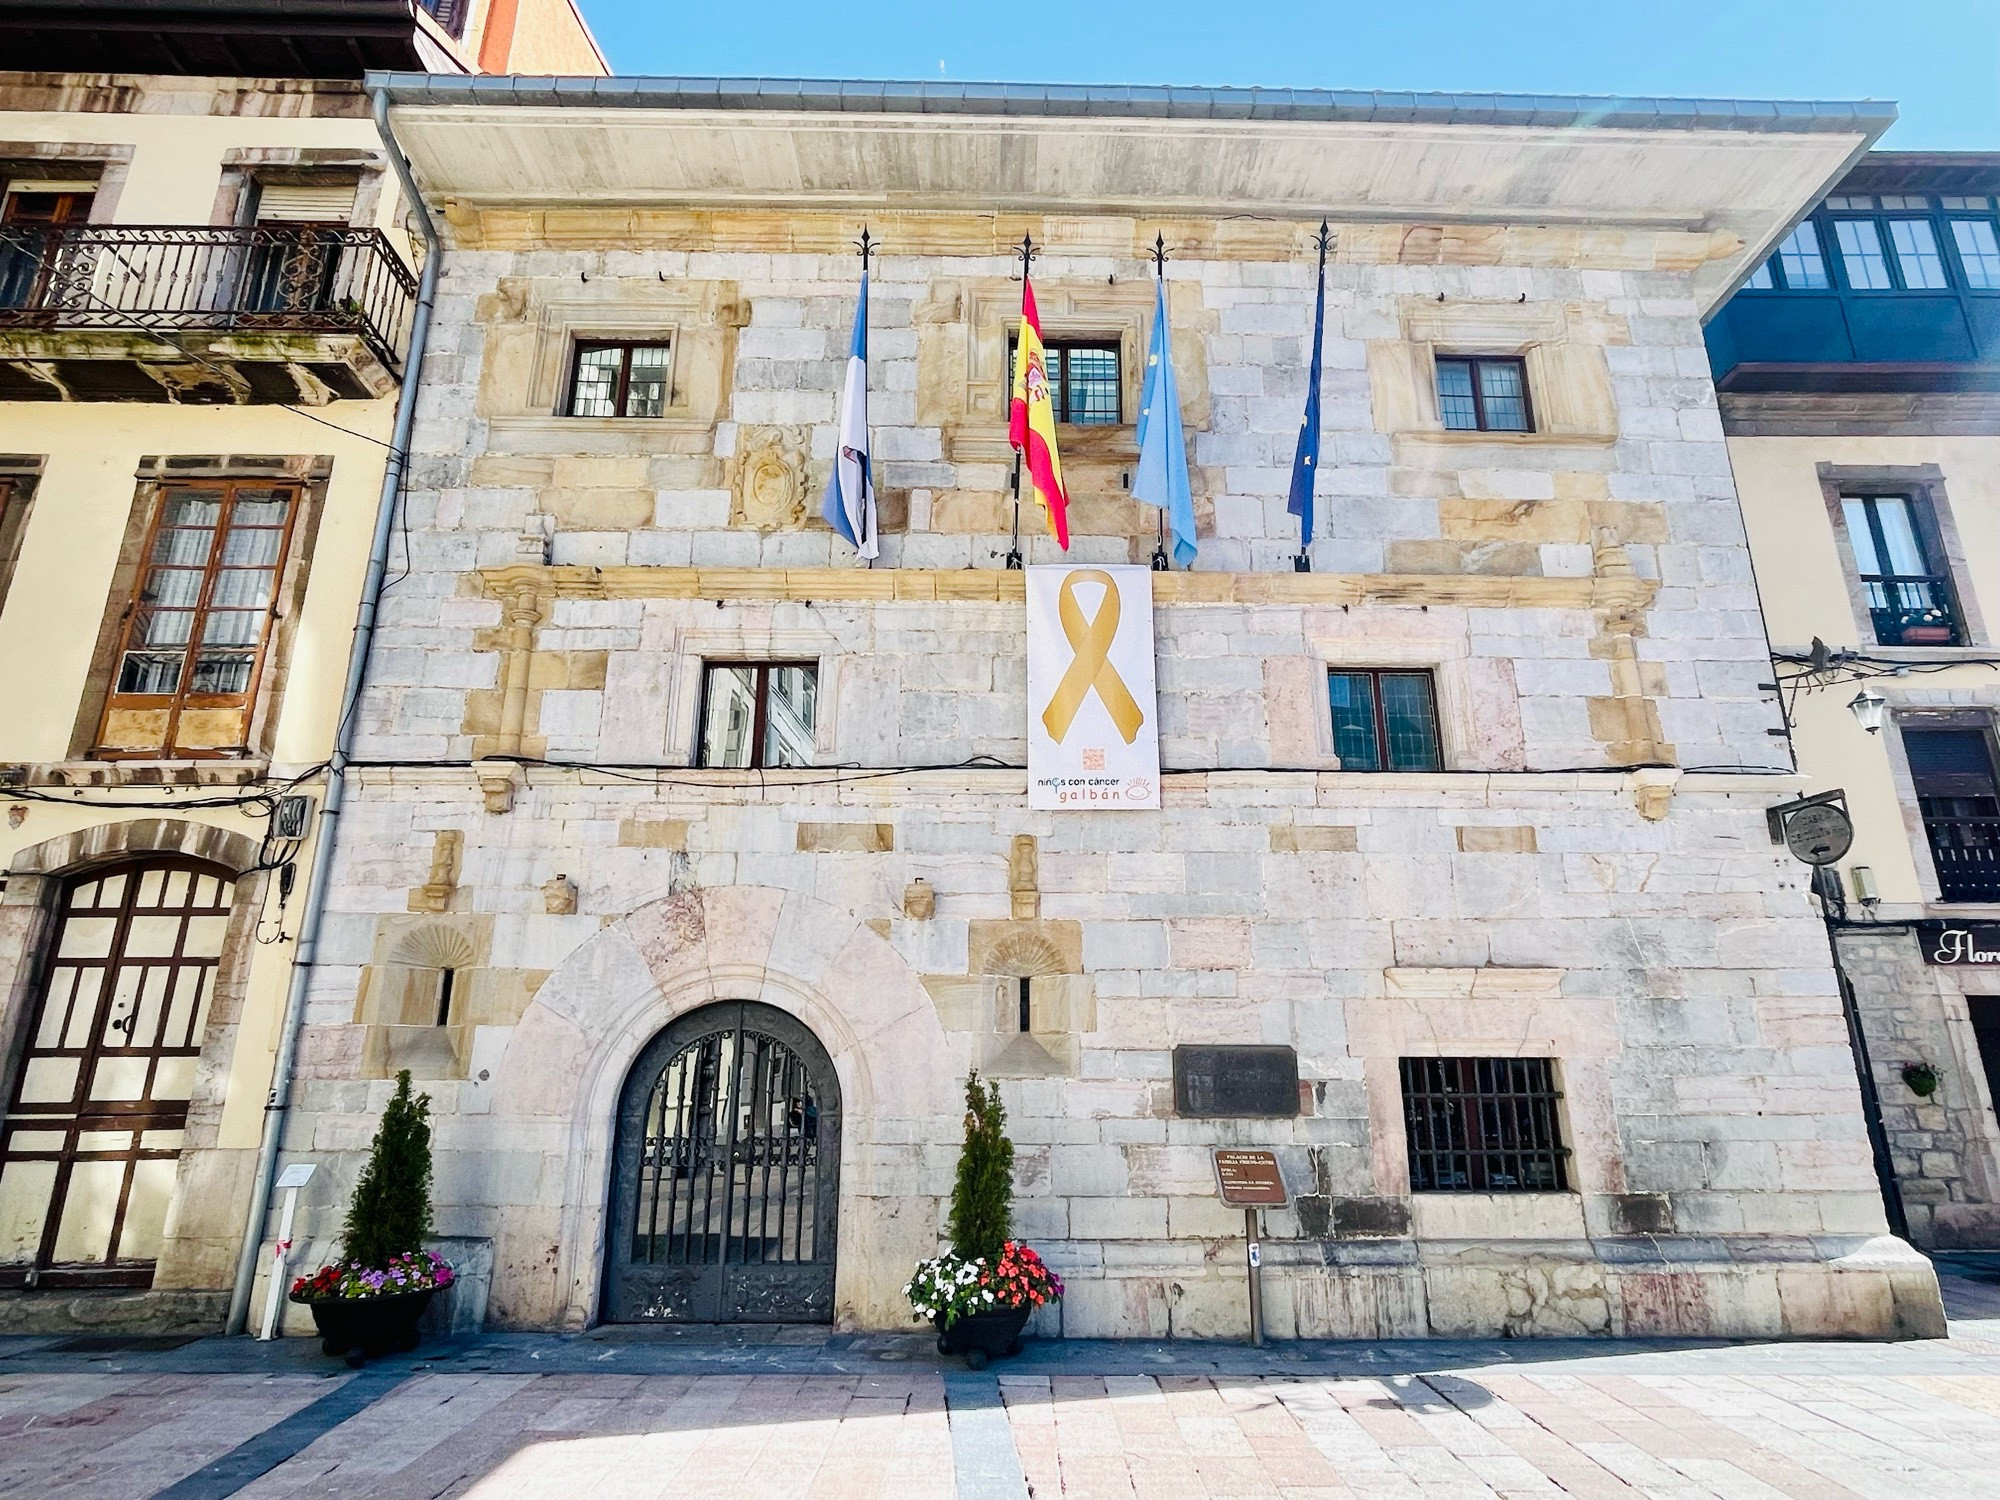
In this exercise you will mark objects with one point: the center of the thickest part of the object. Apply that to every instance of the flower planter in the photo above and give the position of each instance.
(1926, 635)
(981, 1336)
(361, 1328)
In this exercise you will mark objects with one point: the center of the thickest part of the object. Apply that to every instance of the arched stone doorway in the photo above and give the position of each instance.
(725, 1186)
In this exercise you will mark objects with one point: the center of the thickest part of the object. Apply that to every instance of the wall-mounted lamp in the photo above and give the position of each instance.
(1865, 889)
(1868, 708)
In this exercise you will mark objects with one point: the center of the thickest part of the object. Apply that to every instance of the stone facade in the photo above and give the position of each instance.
(1588, 880)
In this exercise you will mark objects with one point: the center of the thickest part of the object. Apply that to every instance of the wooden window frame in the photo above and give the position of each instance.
(1059, 390)
(182, 699)
(761, 719)
(1473, 362)
(1924, 527)
(84, 1115)
(1375, 676)
(1531, 1095)
(623, 393)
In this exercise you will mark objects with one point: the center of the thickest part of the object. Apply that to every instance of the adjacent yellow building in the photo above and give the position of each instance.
(207, 287)
(1858, 373)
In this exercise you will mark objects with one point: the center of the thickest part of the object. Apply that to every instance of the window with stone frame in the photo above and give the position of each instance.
(1958, 796)
(1484, 393)
(757, 715)
(1903, 574)
(1483, 1125)
(1086, 385)
(619, 378)
(17, 491)
(194, 634)
(1385, 720)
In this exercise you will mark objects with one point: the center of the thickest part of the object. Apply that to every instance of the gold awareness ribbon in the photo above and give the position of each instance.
(1091, 666)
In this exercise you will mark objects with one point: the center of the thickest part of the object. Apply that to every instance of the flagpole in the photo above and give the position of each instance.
(1014, 548)
(1302, 563)
(1160, 270)
(867, 247)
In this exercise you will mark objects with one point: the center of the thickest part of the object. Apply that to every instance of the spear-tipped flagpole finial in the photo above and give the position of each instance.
(1160, 255)
(1028, 253)
(868, 246)
(1323, 241)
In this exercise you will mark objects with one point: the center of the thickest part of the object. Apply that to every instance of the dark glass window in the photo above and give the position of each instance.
(1952, 770)
(1978, 252)
(1861, 255)
(1084, 387)
(450, 14)
(1384, 721)
(1917, 254)
(1908, 588)
(1483, 1125)
(1483, 395)
(758, 715)
(619, 380)
(1800, 261)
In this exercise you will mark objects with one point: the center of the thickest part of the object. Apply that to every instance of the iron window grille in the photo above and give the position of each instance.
(1085, 386)
(1385, 721)
(196, 630)
(619, 379)
(449, 14)
(1909, 593)
(1485, 394)
(1483, 1125)
(1952, 770)
(758, 715)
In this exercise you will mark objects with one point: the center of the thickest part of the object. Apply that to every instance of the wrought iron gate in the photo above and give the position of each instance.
(726, 1183)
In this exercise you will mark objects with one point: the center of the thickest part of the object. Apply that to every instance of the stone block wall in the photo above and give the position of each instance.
(1588, 878)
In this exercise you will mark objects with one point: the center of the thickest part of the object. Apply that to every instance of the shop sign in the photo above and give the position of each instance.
(1956, 944)
(1093, 711)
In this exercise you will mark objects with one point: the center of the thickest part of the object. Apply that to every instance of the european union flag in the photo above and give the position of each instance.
(1162, 479)
(1305, 464)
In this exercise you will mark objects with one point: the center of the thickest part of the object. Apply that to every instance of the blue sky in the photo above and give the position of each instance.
(1938, 59)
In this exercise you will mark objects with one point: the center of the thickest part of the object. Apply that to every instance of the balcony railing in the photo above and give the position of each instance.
(1911, 610)
(1967, 854)
(266, 278)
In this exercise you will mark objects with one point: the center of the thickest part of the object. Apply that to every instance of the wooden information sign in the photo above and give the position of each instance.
(1250, 1179)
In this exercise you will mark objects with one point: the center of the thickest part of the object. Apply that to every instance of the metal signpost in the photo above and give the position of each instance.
(296, 1176)
(1250, 1180)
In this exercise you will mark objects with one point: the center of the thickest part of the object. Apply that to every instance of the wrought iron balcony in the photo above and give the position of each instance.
(270, 312)
(1966, 851)
(1911, 610)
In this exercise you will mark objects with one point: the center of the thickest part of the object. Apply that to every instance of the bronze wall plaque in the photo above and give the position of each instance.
(1250, 1179)
(1236, 1082)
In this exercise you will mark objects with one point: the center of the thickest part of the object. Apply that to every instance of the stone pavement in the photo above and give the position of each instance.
(707, 1414)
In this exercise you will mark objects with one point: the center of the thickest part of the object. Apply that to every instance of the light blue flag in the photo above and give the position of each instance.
(1162, 479)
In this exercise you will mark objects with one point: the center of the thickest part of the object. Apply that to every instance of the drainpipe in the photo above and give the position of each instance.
(279, 1103)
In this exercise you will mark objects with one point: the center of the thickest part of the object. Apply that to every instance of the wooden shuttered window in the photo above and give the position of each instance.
(195, 634)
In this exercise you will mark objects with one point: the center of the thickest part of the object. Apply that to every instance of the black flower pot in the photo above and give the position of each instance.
(982, 1335)
(360, 1328)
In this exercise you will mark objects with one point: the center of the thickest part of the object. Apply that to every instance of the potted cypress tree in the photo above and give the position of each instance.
(368, 1302)
(980, 1293)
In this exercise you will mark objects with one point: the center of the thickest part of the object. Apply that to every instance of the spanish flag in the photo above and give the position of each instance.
(1031, 420)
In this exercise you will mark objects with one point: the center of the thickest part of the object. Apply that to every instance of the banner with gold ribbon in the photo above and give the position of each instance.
(1093, 709)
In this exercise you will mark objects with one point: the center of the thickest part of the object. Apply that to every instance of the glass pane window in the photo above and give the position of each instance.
(1760, 279)
(1384, 721)
(1978, 251)
(1917, 254)
(1977, 204)
(1483, 395)
(1909, 593)
(95, 1124)
(209, 584)
(620, 380)
(1800, 260)
(1862, 256)
(758, 715)
(1085, 388)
